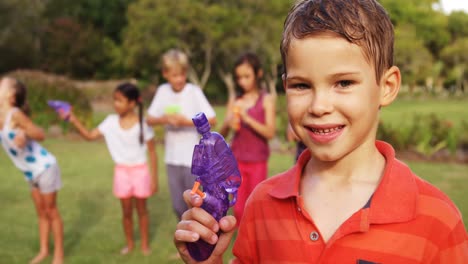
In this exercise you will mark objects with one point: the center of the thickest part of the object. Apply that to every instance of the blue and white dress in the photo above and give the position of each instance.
(33, 159)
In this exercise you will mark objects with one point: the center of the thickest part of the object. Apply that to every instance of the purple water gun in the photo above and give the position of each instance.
(60, 106)
(216, 169)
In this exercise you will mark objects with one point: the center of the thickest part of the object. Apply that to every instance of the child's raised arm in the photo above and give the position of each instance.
(30, 129)
(196, 224)
(84, 132)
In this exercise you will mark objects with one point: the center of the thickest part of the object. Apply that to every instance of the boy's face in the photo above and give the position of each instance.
(332, 94)
(176, 77)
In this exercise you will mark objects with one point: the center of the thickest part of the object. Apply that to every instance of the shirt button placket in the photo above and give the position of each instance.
(314, 236)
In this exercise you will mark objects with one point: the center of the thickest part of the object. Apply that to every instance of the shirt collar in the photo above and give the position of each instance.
(397, 188)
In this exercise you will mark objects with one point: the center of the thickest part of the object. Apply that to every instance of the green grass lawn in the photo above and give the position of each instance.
(92, 216)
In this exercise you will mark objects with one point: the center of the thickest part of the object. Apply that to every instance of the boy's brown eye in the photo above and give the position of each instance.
(299, 86)
(345, 83)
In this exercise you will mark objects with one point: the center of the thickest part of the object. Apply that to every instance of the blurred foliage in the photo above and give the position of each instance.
(42, 88)
(125, 38)
(426, 134)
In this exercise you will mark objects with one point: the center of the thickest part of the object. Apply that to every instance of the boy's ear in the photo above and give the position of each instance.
(390, 85)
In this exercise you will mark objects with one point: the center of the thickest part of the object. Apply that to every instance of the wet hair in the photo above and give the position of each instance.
(361, 22)
(20, 94)
(132, 93)
(174, 58)
(254, 62)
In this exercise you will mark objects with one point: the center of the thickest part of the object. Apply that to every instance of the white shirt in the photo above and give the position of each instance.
(180, 141)
(124, 144)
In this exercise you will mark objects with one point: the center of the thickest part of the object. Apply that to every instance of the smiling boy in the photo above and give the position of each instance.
(348, 199)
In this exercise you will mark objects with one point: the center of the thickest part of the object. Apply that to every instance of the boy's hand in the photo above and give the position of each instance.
(197, 224)
(177, 120)
(20, 139)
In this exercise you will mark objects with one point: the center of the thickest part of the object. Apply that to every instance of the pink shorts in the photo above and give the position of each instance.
(132, 181)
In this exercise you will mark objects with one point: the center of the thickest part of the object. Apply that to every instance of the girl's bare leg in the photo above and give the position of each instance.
(55, 221)
(127, 212)
(143, 218)
(44, 227)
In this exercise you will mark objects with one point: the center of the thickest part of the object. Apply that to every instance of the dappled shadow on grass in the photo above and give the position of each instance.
(84, 216)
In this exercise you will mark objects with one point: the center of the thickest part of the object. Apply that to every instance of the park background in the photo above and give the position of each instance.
(80, 50)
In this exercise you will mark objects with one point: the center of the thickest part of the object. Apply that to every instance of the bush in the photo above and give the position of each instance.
(42, 87)
(427, 135)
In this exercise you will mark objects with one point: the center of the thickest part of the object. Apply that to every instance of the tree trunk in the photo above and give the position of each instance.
(192, 74)
(229, 82)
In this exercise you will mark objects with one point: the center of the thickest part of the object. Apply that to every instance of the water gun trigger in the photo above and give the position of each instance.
(196, 190)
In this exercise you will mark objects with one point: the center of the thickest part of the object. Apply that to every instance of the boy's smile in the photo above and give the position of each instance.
(333, 96)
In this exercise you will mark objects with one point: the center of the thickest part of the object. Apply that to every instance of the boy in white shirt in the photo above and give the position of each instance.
(174, 105)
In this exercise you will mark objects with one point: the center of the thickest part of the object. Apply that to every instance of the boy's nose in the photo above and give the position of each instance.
(321, 103)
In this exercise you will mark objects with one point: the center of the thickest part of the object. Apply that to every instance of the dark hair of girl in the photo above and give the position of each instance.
(20, 96)
(252, 60)
(131, 92)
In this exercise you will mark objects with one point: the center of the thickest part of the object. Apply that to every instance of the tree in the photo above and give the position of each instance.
(411, 56)
(20, 31)
(456, 58)
(430, 24)
(458, 24)
(72, 49)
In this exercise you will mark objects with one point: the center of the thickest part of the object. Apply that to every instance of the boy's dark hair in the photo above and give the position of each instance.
(132, 93)
(20, 93)
(252, 60)
(361, 22)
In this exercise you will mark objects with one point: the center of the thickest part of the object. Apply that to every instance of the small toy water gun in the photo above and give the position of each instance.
(216, 169)
(60, 106)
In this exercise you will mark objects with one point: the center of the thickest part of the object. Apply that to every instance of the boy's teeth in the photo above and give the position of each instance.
(326, 130)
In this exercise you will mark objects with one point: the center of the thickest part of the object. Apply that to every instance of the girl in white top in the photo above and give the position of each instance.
(18, 136)
(129, 140)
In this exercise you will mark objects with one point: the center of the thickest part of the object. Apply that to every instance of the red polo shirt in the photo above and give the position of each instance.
(407, 220)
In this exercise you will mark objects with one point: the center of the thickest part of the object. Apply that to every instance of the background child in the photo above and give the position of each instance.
(18, 137)
(347, 199)
(128, 139)
(174, 105)
(252, 118)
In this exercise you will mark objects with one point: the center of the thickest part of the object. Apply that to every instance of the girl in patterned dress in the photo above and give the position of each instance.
(18, 137)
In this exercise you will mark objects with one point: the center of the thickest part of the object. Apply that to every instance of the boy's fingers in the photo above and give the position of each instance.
(191, 231)
(227, 226)
(185, 236)
(192, 200)
(200, 217)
